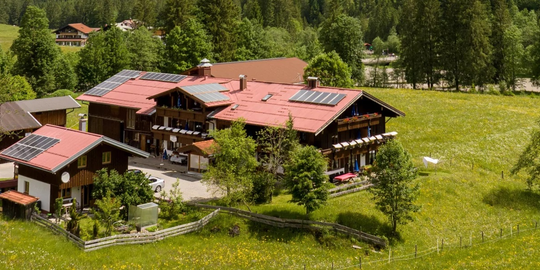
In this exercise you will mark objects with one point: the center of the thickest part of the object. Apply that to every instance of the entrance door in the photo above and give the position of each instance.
(86, 193)
(142, 140)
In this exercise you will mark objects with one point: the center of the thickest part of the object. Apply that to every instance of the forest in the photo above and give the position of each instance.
(451, 44)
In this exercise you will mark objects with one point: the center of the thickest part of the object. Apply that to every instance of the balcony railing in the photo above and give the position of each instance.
(358, 121)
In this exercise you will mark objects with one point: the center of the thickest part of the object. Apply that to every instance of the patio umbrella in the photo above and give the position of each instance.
(359, 135)
(187, 125)
(356, 168)
(369, 131)
(178, 103)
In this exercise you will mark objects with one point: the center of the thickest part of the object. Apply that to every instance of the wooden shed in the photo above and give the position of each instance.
(17, 205)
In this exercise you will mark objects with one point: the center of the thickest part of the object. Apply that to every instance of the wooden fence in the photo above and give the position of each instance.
(126, 239)
(349, 188)
(298, 223)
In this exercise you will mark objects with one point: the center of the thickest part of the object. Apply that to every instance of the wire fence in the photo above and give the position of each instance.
(476, 239)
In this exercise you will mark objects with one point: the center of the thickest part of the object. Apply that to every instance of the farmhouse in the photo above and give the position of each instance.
(18, 118)
(56, 162)
(74, 34)
(157, 111)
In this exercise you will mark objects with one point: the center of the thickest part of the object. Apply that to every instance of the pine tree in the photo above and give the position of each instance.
(177, 12)
(145, 11)
(220, 18)
(186, 47)
(500, 22)
(465, 50)
(36, 51)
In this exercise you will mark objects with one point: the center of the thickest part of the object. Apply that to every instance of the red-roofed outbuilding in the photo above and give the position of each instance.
(60, 162)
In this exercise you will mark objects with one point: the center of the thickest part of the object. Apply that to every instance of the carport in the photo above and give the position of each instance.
(199, 154)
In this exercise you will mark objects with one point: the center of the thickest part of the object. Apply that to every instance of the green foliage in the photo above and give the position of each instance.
(250, 41)
(343, 34)
(145, 51)
(171, 204)
(145, 11)
(529, 160)
(37, 53)
(234, 163)
(58, 208)
(73, 225)
(276, 144)
(330, 70)
(513, 55)
(465, 50)
(128, 189)
(13, 88)
(106, 211)
(62, 93)
(500, 22)
(220, 17)
(382, 20)
(307, 44)
(176, 13)
(104, 55)
(394, 191)
(186, 47)
(305, 178)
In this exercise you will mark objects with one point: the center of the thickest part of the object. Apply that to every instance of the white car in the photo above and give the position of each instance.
(156, 183)
(178, 159)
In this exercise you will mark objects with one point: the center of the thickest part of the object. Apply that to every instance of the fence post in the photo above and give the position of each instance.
(482, 236)
(415, 250)
(518, 229)
(360, 263)
(460, 242)
(332, 265)
(389, 254)
(501, 232)
(437, 245)
(502, 174)
(442, 244)
(511, 230)
(470, 239)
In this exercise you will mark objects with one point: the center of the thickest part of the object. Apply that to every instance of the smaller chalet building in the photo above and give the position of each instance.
(73, 34)
(57, 162)
(20, 117)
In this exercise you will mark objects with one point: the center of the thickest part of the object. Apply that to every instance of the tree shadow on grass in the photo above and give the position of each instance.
(269, 233)
(517, 199)
(368, 224)
(283, 213)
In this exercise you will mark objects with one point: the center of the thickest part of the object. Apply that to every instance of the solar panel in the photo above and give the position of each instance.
(163, 77)
(267, 97)
(204, 88)
(112, 82)
(30, 146)
(316, 97)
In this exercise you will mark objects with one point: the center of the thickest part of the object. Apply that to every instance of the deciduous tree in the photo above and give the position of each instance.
(305, 178)
(107, 212)
(234, 163)
(330, 70)
(528, 160)
(145, 51)
(394, 189)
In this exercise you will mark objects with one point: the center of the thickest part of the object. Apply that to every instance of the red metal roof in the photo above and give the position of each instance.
(19, 198)
(311, 118)
(134, 93)
(72, 144)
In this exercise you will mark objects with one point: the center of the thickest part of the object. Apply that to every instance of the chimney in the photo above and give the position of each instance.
(204, 68)
(313, 82)
(82, 122)
(243, 82)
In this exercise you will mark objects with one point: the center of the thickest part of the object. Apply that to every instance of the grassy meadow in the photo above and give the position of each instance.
(8, 33)
(477, 138)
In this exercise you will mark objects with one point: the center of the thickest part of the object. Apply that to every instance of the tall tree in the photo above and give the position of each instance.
(305, 178)
(186, 47)
(234, 163)
(500, 22)
(513, 56)
(307, 44)
(382, 19)
(393, 187)
(330, 70)
(528, 160)
(420, 40)
(277, 144)
(177, 12)
(252, 11)
(465, 50)
(36, 51)
(220, 18)
(145, 11)
(343, 34)
(145, 51)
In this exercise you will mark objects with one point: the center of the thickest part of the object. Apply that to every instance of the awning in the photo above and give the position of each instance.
(345, 177)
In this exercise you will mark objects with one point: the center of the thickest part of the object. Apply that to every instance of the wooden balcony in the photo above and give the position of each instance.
(359, 121)
(176, 113)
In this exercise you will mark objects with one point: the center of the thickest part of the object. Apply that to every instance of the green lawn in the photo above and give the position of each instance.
(476, 137)
(8, 33)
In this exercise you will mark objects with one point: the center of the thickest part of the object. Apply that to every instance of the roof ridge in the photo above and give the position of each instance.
(73, 130)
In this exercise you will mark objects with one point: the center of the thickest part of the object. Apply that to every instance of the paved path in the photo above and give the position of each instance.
(190, 182)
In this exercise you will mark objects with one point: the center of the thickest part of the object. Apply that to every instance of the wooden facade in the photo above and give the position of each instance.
(57, 118)
(79, 177)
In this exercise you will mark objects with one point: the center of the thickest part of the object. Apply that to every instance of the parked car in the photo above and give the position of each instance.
(178, 159)
(157, 184)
